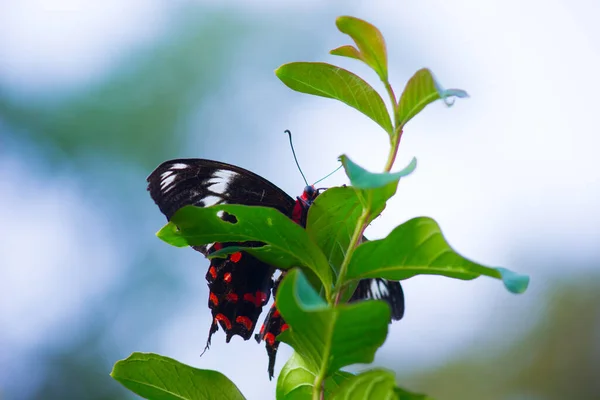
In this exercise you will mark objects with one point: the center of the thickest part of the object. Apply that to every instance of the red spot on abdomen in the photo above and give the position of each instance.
(218, 246)
(284, 327)
(227, 277)
(224, 320)
(244, 321)
(236, 257)
(213, 299)
(275, 313)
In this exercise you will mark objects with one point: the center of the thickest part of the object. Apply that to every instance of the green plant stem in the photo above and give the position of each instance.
(361, 225)
(318, 387)
(395, 139)
(395, 143)
(390, 92)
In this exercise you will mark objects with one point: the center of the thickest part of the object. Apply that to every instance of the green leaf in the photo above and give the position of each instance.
(370, 43)
(374, 190)
(156, 377)
(326, 80)
(329, 338)
(363, 179)
(296, 380)
(374, 200)
(418, 247)
(347, 51)
(331, 222)
(421, 90)
(375, 384)
(286, 243)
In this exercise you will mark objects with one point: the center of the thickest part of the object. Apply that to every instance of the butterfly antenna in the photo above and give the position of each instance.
(328, 175)
(296, 159)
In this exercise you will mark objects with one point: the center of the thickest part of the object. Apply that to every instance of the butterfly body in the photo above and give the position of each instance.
(240, 285)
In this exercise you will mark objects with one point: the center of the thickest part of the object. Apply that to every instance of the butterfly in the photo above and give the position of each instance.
(241, 285)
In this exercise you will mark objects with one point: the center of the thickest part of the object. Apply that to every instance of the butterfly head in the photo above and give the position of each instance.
(310, 193)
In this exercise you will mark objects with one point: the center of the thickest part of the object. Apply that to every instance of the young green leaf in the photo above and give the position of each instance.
(329, 338)
(421, 90)
(418, 247)
(374, 384)
(363, 179)
(333, 82)
(347, 51)
(152, 376)
(374, 200)
(374, 190)
(286, 243)
(370, 43)
(296, 380)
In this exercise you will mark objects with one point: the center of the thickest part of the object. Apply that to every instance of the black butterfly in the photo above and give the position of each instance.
(240, 285)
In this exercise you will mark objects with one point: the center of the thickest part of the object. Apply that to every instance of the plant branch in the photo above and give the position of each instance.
(390, 92)
(395, 143)
(361, 225)
(319, 386)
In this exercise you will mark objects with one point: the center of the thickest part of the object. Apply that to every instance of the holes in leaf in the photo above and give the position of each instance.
(225, 216)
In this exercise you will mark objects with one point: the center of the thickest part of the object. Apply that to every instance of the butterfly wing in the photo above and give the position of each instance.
(381, 289)
(203, 183)
(240, 285)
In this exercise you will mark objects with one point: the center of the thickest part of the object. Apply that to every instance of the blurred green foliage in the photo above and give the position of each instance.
(139, 112)
(558, 359)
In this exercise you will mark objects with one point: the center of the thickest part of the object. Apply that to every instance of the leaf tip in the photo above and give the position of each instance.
(410, 168)
(170, 234)
(347, 51)
(514, 283)
(339, 21)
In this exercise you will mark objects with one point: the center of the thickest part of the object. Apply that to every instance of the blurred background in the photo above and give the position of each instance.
(94, 95)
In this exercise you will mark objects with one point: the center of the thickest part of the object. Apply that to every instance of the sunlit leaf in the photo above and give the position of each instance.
(329, 338)
(375, 384)
(418, 247)
(347, 51)
(333, 82)
(286, 243)
(296, 380)
(421, 90)
(152, 376)
(370, 43)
